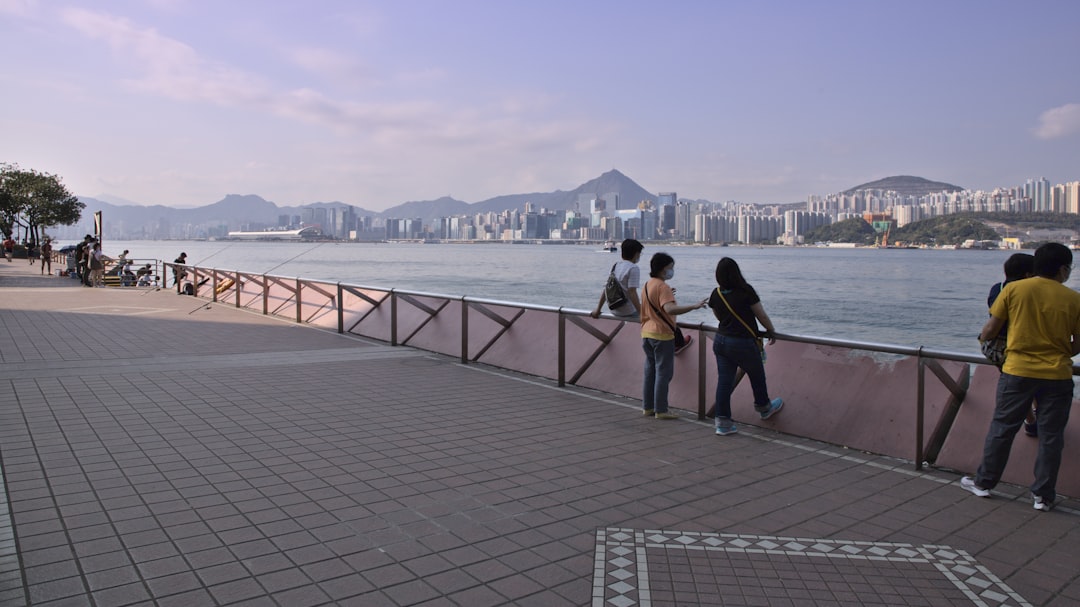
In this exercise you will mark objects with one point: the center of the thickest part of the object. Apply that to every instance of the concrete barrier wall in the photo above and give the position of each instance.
(963, 448)
(859, 399)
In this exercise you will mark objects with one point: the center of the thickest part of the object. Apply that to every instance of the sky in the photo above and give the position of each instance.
(376, 103)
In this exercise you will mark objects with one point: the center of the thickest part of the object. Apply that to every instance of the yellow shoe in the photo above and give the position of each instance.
(648, 412)
(666, 415)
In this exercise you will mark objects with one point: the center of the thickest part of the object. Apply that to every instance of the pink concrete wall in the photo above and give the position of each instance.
(852, 398)
(837, 395)
(963, 448)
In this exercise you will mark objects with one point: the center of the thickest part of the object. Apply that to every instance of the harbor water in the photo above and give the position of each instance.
(908, 297)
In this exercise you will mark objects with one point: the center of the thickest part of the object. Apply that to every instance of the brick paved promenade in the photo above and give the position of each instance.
(159, 451)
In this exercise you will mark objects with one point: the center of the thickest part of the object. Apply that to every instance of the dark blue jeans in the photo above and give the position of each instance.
(659, 369)
(733, 353)
(1014, 396)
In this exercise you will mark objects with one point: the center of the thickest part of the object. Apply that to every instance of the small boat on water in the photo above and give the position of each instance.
(609, 247)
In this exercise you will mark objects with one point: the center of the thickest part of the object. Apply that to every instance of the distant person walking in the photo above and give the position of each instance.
(97, 266)
(46, 258)
(1044, 334)
(9, 248)
(82, 259)
(658, 312)
(628, 277)
(179, 273)
(737, 307)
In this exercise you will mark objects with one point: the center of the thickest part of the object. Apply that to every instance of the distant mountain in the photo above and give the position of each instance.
(235, 212)
(427, 209)
(630, 193)
(907, 185)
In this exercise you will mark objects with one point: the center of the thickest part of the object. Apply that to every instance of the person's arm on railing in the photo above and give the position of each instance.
(763, 318)
(994, 326)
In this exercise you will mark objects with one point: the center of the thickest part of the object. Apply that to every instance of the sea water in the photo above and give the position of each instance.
(907, 297)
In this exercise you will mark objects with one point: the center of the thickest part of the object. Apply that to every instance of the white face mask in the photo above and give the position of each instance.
(669, 274)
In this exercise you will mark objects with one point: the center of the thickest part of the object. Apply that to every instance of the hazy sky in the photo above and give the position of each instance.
(180, 102)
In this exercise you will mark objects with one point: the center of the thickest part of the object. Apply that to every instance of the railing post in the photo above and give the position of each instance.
(266, 295)
(194, 281)
(299, 313)
(562, 348)
(464, 331)
(213, 284)
(702, 368)
(340, 309)
(236, 285)
(919, 403)
(393, 318)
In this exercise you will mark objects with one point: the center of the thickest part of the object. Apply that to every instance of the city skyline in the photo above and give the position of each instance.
(376, 104)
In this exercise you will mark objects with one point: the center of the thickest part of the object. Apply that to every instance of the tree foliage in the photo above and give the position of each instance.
(33, 201)
(944, 230)
(850, 230)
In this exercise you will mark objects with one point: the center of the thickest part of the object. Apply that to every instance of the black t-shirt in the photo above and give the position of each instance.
(740, 300)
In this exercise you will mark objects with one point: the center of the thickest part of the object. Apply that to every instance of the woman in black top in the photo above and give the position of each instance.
(738, 309)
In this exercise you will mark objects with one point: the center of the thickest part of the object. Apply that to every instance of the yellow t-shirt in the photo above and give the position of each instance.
(1043, 315)
(656, 293)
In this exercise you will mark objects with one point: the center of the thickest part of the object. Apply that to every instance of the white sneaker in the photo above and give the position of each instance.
(969, 483)
(1041, 504)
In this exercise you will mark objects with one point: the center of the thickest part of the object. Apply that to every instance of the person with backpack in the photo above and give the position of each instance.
(620, 291)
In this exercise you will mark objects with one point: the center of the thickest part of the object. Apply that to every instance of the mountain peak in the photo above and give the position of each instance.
(908, 185)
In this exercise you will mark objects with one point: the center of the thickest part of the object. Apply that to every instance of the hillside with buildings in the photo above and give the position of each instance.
(609, 207)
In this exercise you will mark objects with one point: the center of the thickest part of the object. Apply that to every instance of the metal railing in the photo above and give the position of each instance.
(324, 304)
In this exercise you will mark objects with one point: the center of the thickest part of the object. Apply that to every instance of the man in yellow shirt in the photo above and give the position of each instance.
(1044, 334)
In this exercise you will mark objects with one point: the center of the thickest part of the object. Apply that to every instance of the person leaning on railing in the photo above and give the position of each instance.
(1044, 334)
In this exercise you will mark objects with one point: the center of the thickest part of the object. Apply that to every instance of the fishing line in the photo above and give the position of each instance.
(294, 257)
(203, 260)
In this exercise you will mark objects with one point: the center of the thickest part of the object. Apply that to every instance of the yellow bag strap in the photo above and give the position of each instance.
(753, 333)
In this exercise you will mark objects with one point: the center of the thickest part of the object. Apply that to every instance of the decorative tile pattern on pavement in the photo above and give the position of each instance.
(623, 577)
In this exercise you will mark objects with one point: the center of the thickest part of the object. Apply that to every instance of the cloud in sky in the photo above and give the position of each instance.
(1059, 122)
(378, 103)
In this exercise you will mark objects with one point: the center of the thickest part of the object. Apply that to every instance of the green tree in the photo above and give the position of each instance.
(850, 230)
(34, 201)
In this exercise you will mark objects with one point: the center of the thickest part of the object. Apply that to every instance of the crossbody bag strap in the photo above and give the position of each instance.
(645, 289)
(753, 333)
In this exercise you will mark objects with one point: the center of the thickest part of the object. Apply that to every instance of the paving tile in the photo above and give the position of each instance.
(236, 591)
(279, 491)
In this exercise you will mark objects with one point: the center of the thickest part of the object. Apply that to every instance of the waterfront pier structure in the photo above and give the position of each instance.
(160, 449)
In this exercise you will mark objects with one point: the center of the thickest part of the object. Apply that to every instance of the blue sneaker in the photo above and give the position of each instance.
(725, 426)
(774, 406)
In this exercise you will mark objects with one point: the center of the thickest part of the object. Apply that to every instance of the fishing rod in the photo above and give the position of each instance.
(295, 257)
(206, 306)
(203, 260)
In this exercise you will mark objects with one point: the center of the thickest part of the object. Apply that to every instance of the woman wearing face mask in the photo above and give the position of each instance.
(658, 312)
(738, 309)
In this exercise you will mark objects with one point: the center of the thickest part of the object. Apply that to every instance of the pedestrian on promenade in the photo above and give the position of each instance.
(1017, 267)
(46, 258)
(658, 312)
(9, 248)
(82, 259)
(31, 252)
(1044, 334)
(97, 266)
(628, 277)
(738, 344)
(179, 273)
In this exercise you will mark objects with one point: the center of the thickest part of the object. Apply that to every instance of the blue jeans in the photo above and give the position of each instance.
(659, 369)
(1014, 396)
(733, 353)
